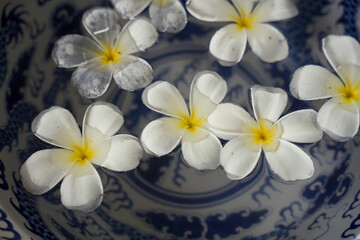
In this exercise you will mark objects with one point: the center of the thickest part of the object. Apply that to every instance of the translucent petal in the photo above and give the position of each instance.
(132, 73)
(81, 188)
(228, 44)
(244, 7)
(103, 24)
(268, 102)
(314, 82)
(350, 74)
(130, 8)
(340, 123)
(206, 91)
(204, 154)
(212, 10)
(74, 50)
(169, 16)
(124, 153)
(91, 80)
(164, 98)
(228, 120)
(58, 127)
(137, 35)
(161, 136)
(44, 169)
(275, 10)
(289, 162)
(341, 50)
(104, 117)
(236, 159)
(268, 43)
(300, 126)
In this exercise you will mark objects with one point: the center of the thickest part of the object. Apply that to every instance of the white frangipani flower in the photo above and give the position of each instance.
(81, 187)
(166, 15)
(108, 54)
(339, 116)
(200, 148)
(247, 24)
(266, 133)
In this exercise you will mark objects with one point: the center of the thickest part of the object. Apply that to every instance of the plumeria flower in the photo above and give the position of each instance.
(107, 54)
(339, 116)
(266, 133)
(246, 24)
(166, 15)
(200, 148)
(72, 162)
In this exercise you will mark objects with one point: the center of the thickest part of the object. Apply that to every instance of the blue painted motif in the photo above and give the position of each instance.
(7, 228)
(3, 183)
(353, 213)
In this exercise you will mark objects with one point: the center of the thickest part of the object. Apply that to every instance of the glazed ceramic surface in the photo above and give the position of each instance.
(163, 198)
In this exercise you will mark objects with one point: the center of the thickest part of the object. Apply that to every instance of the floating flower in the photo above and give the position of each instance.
(229, 43)
(200, 147)
(81, 187)
(166, 15)
(108, 54)
(339, 116)
(266, 133)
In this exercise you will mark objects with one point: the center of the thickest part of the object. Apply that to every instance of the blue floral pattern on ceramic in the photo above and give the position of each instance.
(163, 198)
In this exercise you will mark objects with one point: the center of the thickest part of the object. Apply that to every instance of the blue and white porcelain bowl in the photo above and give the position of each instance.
(163, 198)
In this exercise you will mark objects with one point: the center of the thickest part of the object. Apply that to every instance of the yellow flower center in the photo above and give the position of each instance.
(82, 154)
(350, 92)
(110, 55)
(246, 21)
(191, 123)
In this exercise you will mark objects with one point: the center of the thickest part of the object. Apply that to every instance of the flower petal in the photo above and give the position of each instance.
(161, 136)
(289, 162)
(58, 127)
(228, 120)
(103, 24)
(130, 8)
(300, 126)
(237, 160)
(102, 117)
(350, 74)
(312, 82)
(228, 44)
(91, 80)
(204, 154)
(169, 16)
(137, 35)
(341, 124)
(81, 188)
(244, 7)
(44, 169)
(164, 98)
(341, 50)
(124, 153)
(275, 10)
(74, 50)
(212, 10)
(268, 43)
(207, 90)
(268, 102)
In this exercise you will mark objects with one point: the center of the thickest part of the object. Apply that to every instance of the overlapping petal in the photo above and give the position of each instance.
(275, 10)
(268, 102)
(81, 188)
(58, 127)
(203, 154)
(228, 44)
(161, 136)
(237, 160)
(313, 82)
(44, 169)
(164, 98)
(300, 126)
(244, 7)
(130, 8)
(341, 50)
(169, 16)
(212, 10)
(268, 43)
(74, 50)
(341, 124)
(289, 162)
